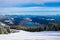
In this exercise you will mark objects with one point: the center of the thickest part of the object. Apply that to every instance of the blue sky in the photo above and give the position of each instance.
(27, 7)
(29, 3)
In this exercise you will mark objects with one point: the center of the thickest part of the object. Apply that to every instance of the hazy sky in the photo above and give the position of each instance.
(30, 7)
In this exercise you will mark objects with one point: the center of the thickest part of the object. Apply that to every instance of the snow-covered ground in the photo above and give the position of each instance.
(23, 35)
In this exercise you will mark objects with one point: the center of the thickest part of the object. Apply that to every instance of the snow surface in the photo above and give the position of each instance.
(23, 35)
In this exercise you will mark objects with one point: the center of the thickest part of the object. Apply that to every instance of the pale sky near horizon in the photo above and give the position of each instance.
(30, 7)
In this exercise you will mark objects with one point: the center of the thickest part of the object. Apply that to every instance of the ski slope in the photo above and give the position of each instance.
(24, 35)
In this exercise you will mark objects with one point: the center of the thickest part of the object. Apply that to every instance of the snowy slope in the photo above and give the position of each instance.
(23, 35)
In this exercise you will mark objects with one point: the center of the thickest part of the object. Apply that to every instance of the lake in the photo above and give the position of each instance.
(29, 24)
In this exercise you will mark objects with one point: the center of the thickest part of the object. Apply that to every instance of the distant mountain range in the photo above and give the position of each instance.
(15, 19)
(27, 21)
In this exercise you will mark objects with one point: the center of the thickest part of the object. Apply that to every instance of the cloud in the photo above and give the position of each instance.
(30, 11)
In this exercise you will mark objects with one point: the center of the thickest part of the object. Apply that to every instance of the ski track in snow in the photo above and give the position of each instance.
(23, 35)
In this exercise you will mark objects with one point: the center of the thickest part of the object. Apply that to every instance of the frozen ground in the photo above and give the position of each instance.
(23, 35)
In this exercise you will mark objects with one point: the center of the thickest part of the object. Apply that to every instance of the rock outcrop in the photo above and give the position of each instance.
(4, 29)
(51, 27)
